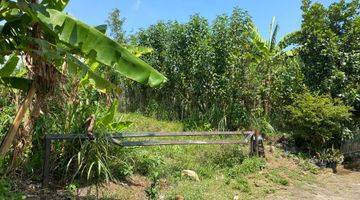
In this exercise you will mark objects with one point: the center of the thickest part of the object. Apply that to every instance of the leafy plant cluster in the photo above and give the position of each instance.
(317, 121)
(328, 44)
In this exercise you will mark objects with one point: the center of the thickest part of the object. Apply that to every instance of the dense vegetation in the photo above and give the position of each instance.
(221, 75)
(224, 75)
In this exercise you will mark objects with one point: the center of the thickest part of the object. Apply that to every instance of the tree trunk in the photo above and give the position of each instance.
(7, 141)
(25, 134)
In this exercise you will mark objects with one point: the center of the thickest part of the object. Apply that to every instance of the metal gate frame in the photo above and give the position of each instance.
(116, 139)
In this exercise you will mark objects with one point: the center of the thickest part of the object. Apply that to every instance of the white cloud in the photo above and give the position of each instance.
(137, 4)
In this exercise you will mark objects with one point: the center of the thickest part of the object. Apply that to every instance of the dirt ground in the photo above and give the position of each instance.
(345, 185)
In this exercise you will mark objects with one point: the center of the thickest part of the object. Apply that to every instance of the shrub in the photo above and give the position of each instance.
(317, 121)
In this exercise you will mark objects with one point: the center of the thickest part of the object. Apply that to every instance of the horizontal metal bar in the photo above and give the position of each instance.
(66, 136)
(165, 142)
(148, 134)
(176, 134)
(351, 152)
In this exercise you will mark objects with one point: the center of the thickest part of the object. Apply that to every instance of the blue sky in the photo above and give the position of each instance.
(143, 13)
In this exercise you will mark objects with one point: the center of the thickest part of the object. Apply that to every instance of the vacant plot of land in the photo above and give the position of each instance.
(342, 186)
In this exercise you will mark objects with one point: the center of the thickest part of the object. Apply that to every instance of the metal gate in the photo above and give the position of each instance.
(255, 141)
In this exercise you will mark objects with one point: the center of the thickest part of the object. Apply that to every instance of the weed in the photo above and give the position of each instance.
(92, 161)
(71, 191)
(275, 177)
(249, 166)
(242, 184)
(307, 166)
(153, 190)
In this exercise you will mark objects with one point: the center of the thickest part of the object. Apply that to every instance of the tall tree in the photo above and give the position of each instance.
(329, 46)
(115, 23)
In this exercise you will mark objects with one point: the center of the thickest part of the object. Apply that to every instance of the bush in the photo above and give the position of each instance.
(317, 121)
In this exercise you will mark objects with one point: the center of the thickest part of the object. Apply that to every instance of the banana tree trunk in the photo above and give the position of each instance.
(25, 134)
(9, 137)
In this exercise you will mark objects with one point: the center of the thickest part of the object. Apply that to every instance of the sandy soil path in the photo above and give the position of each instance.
(342, 186)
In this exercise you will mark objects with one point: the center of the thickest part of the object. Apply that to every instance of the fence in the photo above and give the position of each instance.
(117, 139)
(351, 147)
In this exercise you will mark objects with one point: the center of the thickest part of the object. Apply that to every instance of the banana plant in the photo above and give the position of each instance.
(267, 57)
(53, 45)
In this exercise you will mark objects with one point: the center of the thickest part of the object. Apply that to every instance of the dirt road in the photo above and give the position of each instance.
(342, 186)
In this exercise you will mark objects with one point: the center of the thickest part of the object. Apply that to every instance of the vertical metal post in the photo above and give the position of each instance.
(46, 165)
(257, 143)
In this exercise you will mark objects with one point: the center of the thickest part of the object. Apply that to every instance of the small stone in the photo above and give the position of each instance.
(31, 188)
(236, 197)
(272, 149)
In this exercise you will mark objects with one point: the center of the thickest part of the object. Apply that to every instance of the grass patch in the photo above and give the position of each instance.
(275, 177)
(248, 166)
(242, 184)
(142, 123)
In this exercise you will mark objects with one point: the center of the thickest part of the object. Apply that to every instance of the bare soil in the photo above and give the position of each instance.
(345, 185)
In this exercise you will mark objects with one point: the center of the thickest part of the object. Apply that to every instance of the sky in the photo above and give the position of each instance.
(143, 13)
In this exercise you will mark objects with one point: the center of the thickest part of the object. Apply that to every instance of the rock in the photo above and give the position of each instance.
(279, 145)
(179, 197)
(272, 149)
(236, 197)
(32, 188)
(190, 173)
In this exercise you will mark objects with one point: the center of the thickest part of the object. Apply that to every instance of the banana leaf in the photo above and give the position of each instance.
(95, 45)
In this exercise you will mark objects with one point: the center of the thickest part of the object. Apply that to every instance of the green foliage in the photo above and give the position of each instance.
(99, 47)
(6, 191)
(55, 4)
(71, 190)
(153, 190)
(317, 121)
(62, 38)
(328, 45)
(92, 161)
(9, 66)
(242, 184)
(331, 155)
(116, 23)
